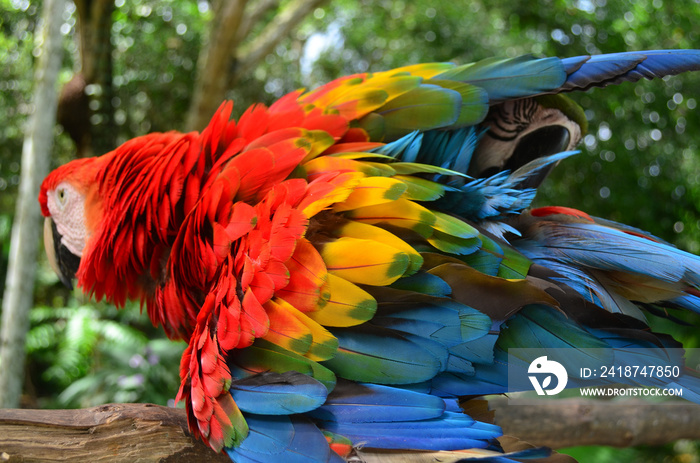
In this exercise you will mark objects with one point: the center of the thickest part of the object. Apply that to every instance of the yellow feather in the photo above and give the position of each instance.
(318, 141)
(370, 191)
(424, 70)
(359, 230)
(373, 93)
(325, 164)
(400, 213)
(285, 329)
(324, 344)
(337, 190)
(375, 264)
(348, 305)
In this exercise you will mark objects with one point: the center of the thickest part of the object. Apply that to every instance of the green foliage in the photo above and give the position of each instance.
(156, 48)
(95, 354)
(17, 27)
(681, 452)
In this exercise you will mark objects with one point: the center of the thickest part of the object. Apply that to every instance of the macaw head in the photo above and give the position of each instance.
(65, 195)
(523, 130)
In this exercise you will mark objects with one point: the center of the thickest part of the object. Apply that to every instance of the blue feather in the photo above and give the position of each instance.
(499, 195)
(637, 351)
(271, 393)
(451, 431)
(405, 148)
(551, 333)
(367, 403)
(477, 350)
(424, 283)
(379, 355)
(450, 325)
(520, 456)
(284, 439)
(603, 247)
(588, 286)
(687, 302)
(690, 385)
(598, 71)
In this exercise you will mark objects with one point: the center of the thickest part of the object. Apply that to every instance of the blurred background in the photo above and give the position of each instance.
(135, 66)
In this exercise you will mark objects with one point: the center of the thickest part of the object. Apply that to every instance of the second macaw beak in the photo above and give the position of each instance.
(62, 261)
(522, 131)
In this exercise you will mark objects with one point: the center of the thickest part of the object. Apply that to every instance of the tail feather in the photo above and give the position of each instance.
(283, 438)
(362, 403)
(451, 431)
(270, 393)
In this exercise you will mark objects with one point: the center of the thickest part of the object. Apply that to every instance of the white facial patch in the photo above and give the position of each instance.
(67, 207)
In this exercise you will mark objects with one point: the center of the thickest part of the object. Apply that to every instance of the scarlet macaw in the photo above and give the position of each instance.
(347, 262)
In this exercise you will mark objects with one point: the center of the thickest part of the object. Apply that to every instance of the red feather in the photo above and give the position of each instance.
(551, 210)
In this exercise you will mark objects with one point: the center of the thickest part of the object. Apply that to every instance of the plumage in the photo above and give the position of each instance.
(347, 262)
(278, 394)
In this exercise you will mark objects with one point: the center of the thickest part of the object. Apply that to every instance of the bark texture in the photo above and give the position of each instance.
(572, 422)
(152, 433)
(232, 50)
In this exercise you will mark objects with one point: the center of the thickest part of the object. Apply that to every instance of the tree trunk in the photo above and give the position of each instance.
(26, 228)
(215, 62)
(223, 59)
(95, 31)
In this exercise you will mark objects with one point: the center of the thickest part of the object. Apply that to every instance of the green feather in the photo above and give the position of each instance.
(410, 168)
(424, 108)
(514, 265)
(475, 102)
(420, 189)
(454, 244)
(510, 78)
(553, 334)
(424, 283)
(454, 226)
(266, 356)
(376, 355)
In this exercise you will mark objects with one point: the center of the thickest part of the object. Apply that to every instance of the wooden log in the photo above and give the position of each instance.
(152, 433)
(572, 422)
(108, 433)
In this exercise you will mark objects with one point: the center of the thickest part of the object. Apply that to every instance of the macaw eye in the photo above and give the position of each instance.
(61, 195)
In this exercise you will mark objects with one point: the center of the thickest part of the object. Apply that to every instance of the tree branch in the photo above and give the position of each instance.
(253, 14)
(273, 33)
(221, 64)
(214, 64)
(571, 422)
(108, 433)
(152, 433)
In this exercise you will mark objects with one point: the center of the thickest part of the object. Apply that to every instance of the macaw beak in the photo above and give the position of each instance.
(541, 142)
(62, 261)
